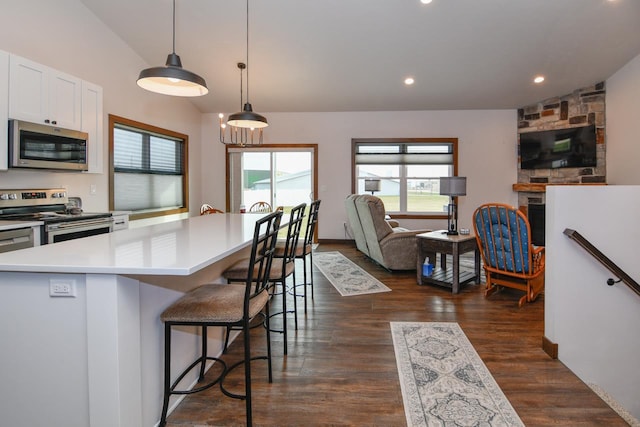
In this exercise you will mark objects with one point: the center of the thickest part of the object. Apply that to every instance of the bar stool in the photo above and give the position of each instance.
(226, 306)
(304, 248)
(280, 271)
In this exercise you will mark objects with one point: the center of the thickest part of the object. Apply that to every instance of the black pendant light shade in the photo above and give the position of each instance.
(172, 79)
(247, 119)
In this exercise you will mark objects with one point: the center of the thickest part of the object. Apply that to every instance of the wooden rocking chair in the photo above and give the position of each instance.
(510, 260)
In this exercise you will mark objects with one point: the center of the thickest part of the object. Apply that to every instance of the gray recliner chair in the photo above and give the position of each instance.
(354, 223)
(392, 247)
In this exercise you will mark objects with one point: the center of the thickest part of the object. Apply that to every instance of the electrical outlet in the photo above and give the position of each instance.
(62, 288)
(92, 189)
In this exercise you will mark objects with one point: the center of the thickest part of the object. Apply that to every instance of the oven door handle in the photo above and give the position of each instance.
(78, 224)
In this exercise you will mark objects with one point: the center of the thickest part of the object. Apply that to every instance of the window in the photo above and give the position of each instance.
(148, 169)
(405, 173)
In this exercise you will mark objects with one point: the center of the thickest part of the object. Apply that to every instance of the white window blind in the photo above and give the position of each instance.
(148, 170)
(407, 172)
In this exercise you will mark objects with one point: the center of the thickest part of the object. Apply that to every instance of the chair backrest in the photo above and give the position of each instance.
(207, 209)
(260, 207)
(354, 223)
(293, 233)
(265, 236)
(502, 233)
(312, 220)
(374, 225)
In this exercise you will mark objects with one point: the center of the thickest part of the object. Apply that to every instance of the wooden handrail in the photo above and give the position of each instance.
(604, 260)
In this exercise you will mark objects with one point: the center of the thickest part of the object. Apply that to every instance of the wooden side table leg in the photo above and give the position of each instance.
(455, 286)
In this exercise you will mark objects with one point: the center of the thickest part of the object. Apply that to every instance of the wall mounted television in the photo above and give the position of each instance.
(559, 148)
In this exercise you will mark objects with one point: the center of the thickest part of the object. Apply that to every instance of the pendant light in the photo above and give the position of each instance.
(172, 79)
(240, 136)
(247, 118)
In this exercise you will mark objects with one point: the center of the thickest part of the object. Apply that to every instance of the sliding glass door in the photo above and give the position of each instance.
(281, 175)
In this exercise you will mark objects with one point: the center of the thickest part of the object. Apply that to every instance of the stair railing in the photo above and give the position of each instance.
(604, 260)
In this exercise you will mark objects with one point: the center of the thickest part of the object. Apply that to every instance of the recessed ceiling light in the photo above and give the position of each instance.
(425, 1)
(409, 81)
(538, 79)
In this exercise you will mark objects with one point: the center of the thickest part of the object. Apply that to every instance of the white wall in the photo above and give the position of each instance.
(487, 154)
(65, 35)
(623, 132)
(595, 325)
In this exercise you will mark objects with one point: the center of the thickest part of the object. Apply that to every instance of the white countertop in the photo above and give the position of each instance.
(12, 225)
(173, 248)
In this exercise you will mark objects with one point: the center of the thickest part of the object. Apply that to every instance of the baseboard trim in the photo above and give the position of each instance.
(550, 347)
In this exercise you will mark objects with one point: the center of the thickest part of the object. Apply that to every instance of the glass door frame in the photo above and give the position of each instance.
(312, 148)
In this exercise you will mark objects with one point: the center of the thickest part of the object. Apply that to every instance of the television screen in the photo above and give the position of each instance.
(560, 148)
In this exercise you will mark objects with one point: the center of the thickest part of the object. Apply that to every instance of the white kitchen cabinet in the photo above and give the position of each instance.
(92, 124)
(4, 110)
(40, 94)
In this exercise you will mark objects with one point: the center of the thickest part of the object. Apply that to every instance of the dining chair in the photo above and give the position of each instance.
(227, 306)
(260, 207)
(207, 209)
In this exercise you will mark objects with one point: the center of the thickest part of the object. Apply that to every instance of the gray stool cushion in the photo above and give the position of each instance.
(213, 303)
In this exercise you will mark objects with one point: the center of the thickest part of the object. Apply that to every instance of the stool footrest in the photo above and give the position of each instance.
(228, 370)
(197, 362)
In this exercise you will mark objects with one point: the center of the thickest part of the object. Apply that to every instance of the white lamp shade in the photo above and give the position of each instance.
(453, 186)
(371, 185)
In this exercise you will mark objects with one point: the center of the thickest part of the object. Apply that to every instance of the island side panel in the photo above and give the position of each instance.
(43, 356)
(114, 356)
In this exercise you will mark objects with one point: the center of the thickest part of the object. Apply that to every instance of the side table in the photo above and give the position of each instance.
(429, 244)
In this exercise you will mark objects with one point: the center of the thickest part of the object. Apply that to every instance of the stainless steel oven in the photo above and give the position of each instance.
(51, 207)
(67, 230)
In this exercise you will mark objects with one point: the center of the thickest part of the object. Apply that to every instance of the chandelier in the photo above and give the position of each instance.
(245, 127)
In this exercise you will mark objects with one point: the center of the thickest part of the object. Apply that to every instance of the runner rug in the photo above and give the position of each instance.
(444, 382)
(345, 276)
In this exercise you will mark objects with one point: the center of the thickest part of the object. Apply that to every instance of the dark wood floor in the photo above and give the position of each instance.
(341, 368)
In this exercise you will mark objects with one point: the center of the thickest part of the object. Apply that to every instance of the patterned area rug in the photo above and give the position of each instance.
(443, 380)
(345, 276)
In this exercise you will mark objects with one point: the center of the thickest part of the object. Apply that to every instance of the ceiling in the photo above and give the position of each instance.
(353, 55)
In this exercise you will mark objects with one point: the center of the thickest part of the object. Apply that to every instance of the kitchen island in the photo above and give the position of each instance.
(82, 340)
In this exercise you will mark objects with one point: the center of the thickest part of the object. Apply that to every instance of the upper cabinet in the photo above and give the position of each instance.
(4, 110)
(92, 124)
(41, 94)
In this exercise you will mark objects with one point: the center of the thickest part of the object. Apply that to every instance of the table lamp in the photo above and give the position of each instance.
(453, 186)
(372, 185)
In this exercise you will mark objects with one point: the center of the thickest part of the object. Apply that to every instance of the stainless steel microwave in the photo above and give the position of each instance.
(32, 145)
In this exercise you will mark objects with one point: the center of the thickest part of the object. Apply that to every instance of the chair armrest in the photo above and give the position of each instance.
(393, 223)
(538, 258)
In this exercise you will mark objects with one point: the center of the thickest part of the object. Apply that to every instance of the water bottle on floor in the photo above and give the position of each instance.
(427, 269)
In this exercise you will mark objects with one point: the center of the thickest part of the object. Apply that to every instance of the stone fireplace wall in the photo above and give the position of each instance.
(583, 107)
